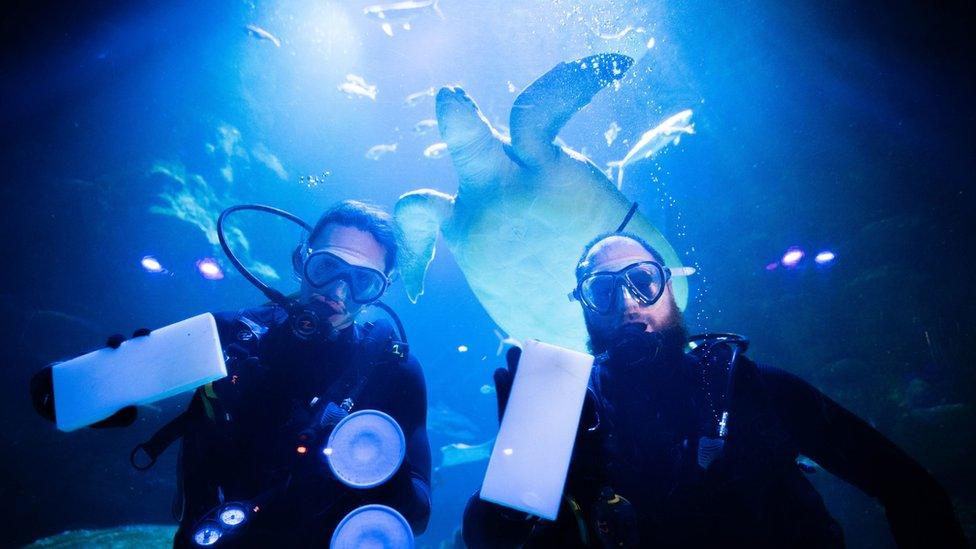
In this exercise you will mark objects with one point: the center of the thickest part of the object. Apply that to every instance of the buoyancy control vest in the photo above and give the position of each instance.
(215, 407)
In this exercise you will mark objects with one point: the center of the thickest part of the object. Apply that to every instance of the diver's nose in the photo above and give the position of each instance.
(627, 299)
(338, 290)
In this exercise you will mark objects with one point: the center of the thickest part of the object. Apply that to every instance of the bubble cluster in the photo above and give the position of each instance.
(312, 181)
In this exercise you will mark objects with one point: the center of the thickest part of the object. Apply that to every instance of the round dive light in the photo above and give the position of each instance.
(207, 534)
(365, 449)
(232, 515)
(373, 526)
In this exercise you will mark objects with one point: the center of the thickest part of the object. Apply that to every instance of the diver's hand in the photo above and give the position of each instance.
(243, 370)
(126, 416)
(115, 340)
(504, 378)
(42, 391)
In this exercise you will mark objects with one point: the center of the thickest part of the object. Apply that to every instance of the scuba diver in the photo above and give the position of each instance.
(700, 448)
(256, 451)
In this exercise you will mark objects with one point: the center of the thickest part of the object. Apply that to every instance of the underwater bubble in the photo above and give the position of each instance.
(462, 348)
(312, 181)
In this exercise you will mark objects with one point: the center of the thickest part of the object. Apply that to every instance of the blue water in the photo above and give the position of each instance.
(828, 126)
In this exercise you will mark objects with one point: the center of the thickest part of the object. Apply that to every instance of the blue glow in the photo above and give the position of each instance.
(151, 264)
(792, 257)
(233, 515)
(209, 269)
(825, 257)
(207, 535)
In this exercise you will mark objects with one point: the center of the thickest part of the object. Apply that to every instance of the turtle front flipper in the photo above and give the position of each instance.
(476, 148)
(419, 215)
(543, 108)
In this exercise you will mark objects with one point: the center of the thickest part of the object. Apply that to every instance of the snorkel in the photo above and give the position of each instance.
(307, 320)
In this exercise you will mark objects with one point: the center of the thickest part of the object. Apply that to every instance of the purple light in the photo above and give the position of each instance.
(151, 264)
(209, 269)
(792, 257)
(824, 257)
(772, 266)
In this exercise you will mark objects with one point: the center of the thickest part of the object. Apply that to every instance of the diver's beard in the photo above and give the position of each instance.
(674, 336)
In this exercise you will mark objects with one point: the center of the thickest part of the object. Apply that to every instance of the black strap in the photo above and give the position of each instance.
(630, 214)
(377, 346)
(159, 442)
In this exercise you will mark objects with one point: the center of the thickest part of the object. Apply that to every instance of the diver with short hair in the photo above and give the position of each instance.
(700, 448)
(257, 466)
(247, 432)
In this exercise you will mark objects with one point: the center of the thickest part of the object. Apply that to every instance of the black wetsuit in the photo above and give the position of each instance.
(754, 495)
(242, 434)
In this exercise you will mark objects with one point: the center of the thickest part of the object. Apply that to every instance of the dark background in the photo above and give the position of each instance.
(826, 125)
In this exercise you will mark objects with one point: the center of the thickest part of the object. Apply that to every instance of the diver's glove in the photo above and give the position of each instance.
(504, 378)
(42, 391)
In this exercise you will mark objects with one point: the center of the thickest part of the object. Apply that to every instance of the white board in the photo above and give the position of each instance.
(529, 462)
(170, 360)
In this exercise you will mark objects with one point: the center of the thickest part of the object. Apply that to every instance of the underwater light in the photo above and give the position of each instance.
(792, 257)
(209, 269)
(462, 348)
(233, 515)
(151, 264)
(207, 534)
(824, 257)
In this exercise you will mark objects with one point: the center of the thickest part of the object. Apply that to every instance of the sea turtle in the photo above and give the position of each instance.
(524, 207)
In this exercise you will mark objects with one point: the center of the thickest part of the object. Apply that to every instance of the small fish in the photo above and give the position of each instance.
(559, 142)
(261, 34)
(459, 452)
(669, 131)
(611, 134)
(356, 85)
(436, 150)
(424, 126)
(807, 465)
(400, 13)
(613, 36)
(443, 420)
(414, 99)
(378, 151)
(504, 340)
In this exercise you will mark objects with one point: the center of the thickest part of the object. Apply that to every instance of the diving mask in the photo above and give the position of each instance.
(645, 280)
(323, 267)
